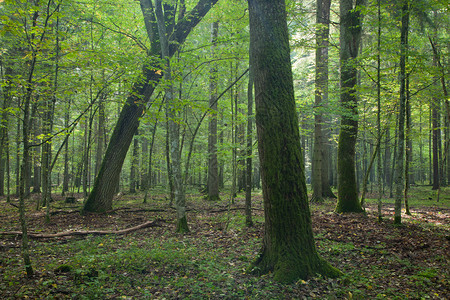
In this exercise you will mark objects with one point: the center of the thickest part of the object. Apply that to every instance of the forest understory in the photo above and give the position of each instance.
(379, 260)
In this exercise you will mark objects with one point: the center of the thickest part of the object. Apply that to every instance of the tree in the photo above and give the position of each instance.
(100, 199)
(320, 182)
(350, 39)
(399, 167)
(213, 166)
(288, 245)
(174, 127)
(248, 180)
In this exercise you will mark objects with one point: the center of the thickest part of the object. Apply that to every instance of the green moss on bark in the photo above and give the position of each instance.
(288, 247)
(182, 225)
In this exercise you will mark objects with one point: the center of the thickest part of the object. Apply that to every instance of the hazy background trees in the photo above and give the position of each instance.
(88, 61)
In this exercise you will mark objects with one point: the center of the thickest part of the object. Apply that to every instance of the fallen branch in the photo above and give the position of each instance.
(64, 212)
(131, 210)
(34, 235)
(231, 209)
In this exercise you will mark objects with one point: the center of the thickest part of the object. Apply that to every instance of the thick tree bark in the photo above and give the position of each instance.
(288, 245)
(100, 198)
(213, 166)
(350, 39)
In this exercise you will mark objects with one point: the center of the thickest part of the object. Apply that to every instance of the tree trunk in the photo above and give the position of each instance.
(213, 167)
(100, 198)
(319, 170)
(65, 187)
(350, 38)
(436, 132)
(248, 181)
(379, 173)
(145, 176)
(151, 182)
(233, 139)
(3, 142)
(288, 245)
(134, 164)
(36, 157)
(18, 143)
(174, 127)
(408, 152)
(101, 134)
(399, 170)
(4, 124)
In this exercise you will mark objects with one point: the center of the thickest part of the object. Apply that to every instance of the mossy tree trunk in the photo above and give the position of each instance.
(288, 245)
(100, 198)
(350, 39)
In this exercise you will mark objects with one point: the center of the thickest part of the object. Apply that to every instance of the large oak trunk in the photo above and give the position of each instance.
(288, 246)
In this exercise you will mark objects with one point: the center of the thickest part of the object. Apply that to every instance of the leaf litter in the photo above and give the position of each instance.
(379, 260)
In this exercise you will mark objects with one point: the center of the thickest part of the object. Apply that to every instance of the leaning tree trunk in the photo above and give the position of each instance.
(100, 198)
(350, 39)
(288, 245)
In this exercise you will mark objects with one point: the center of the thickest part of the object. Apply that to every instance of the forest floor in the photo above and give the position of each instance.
(379, 260)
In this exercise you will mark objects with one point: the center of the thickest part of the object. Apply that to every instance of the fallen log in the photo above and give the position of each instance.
(34, 235)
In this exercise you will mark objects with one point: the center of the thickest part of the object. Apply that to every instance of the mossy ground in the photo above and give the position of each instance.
(379, 260)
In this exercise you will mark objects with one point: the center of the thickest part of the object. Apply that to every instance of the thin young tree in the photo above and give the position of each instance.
(249, 181)
(213, 165)
(174, 126)
(399, 163)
